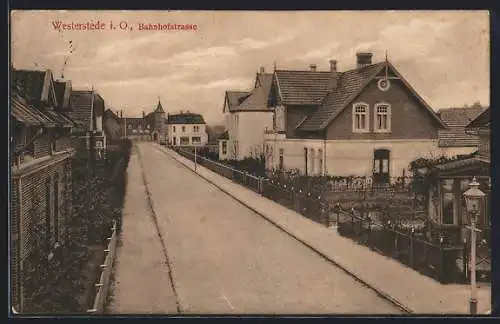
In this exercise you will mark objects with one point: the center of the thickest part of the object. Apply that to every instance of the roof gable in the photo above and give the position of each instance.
(481, 121)
(159, 108)
(36, 86)
(234, 98)
(349, 85)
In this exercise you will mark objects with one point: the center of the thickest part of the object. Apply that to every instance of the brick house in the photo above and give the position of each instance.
(367, 121)
(87, 110)
(40, 187)
(455, 140)
(148, 127)
(247, 116)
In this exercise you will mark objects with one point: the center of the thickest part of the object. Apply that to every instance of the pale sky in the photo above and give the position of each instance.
(443, 54)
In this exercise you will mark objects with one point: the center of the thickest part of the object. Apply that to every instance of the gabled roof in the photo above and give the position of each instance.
(234, 99)
(259, 96)
(31, 116)
(456, 119)
(349, 86)
(481, 121)
(82, 102)
(108, 113)
(302, 87)
(159, 108)
(185, 118)
(27, 114)
(35, 86)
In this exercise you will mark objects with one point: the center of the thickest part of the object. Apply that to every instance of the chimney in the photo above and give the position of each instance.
(312, 67)
(363, 59)
(143, 114)
(333, 65)
(262, 70)
(182, 112)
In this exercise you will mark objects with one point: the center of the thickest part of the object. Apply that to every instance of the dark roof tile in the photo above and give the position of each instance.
(185, 118)
(349, 84)
(302, 87)
(235, 98)
(481, 121)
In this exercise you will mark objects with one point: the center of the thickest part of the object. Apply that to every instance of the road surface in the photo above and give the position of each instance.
(224, 258)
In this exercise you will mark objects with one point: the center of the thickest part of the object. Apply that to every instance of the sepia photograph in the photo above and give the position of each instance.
(249, 163)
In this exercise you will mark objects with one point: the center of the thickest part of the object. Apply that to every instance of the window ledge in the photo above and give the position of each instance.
(360, 130)
(382, 131)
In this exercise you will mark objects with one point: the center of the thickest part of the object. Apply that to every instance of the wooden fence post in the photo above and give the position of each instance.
(411, 246)
(441, 261)
(465, 263)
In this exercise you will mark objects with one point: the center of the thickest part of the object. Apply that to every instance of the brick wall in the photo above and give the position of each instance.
(14, 246)
(409, 119)
(42, 145)
(37, 198)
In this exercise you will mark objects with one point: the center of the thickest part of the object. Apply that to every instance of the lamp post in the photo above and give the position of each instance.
(472, 198)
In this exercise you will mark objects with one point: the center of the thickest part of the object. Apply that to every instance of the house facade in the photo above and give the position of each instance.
(112, 125)
(450, 179)
(247, 116)
(148, 127)
(40, 187)
(186, 129)
(367, 121)
(455, 140)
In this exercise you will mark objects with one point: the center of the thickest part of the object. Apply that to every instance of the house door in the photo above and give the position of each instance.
(155, 137)
(381, 166)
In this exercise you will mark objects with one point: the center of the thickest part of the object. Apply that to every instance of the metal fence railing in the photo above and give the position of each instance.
(102, 287)
(398, 240)
(444, 263)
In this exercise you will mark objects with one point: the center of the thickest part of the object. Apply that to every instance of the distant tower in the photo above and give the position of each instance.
(159, 122)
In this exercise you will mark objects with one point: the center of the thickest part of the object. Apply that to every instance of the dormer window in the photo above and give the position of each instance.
(360, 121)
(382, 120)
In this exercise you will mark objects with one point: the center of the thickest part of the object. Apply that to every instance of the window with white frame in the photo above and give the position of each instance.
(360, 121)
(196, 129)
(382, 120)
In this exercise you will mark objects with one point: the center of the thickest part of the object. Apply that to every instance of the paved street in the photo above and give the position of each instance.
(224, 258)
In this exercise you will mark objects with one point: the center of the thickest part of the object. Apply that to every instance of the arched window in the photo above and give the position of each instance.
(360, 119)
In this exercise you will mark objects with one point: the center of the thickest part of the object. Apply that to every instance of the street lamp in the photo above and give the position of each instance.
(472, 198)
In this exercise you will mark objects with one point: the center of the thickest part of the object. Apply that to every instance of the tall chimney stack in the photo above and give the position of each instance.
(333, 65)
(363, 59)
(312, 67)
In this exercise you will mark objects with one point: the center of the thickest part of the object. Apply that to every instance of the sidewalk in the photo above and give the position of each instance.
(406, 287)
(141, 284)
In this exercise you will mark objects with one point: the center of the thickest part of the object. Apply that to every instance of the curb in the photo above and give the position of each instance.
(378, 291)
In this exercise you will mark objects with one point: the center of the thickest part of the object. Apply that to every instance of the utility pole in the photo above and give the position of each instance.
(195, 158)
